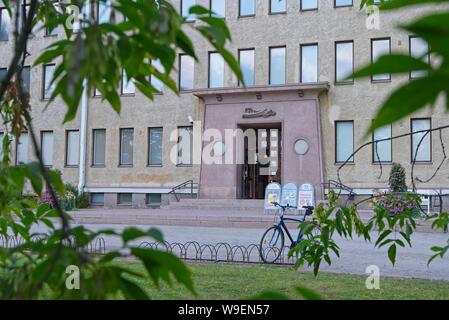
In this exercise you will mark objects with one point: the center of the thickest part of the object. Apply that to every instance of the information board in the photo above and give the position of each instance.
(306, 195)
(272, 194)
(290, 194)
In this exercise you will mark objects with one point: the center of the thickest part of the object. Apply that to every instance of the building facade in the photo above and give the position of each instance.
(296, 56)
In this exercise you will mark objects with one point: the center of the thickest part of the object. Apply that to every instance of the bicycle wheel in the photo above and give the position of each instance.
(271, 244)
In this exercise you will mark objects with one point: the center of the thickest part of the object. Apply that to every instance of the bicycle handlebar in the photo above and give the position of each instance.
(277, 204)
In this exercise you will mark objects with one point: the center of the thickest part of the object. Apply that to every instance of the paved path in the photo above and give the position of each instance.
(356, 254)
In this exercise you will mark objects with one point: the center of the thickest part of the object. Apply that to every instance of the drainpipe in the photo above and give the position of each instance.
(84, 119)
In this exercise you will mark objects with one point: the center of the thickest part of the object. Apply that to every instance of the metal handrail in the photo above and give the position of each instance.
(183, 185)
(333, 184)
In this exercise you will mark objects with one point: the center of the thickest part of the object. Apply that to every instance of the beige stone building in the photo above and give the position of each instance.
(296, 55)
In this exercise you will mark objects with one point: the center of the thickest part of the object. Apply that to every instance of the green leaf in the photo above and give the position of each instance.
(308, 294)
(392, 253)
(132, 233)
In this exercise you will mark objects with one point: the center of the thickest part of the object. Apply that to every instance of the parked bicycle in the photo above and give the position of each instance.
(272, 242)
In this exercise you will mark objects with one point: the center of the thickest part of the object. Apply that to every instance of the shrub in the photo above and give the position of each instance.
(397, 178)
(82, 201)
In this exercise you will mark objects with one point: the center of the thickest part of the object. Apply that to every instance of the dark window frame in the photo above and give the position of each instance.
(119, 203)
(1, 10)
(17, 147)
(149, 149)
(122, 86)
(372, 58)
(335, 62)
(335, 141)
(300, 59)
(44, 76)
(179, 73)
(308, 10)
(269, 65)
(412, 153)
(246, 15)
(410, 54)
(120, 164)
(208, 71)
(275, 13)
(374, 157)
(239, 84)
(180, 10)
(42, 144)
(93, 164)
(345, 6)
(66, 165)
(178, 164)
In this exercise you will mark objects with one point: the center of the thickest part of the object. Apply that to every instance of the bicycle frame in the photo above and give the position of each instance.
(284, 227)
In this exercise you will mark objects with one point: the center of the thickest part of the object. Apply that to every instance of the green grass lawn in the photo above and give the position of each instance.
(230, 281)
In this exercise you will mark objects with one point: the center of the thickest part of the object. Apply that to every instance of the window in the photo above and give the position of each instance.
(309, 63)
(246, 60)
(49, 70)
(47, 148)
(126, 147)
(54, 31)
(277, 65)
(185, 7)
(97, 199)
(155, 146)
(153, 199)
(5, 24)
(218, 7)
(104, 11)
(344, 61)
(216, 70)
(421, 139)
(155, 82)
(128, 86)
(125, 199)
(309, 5)
(72, 148)
(186, 72)
(382, 150)
(419, 49)
(22, 149)
(247, 8)
(185, 145)
(278, 6)
(380, 47)
(99, 147)
(344, 141)
(25, 75)
(3, 72)
(343, 3)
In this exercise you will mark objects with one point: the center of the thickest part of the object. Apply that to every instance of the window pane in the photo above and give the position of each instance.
(419, 49)
(22, 149)
(125, 198)
(185, 145)
(246, 58)
(48, 74)
(5, 24)
(3, 72)
(309, 63)
(344, 61)
(126, 146)
(309, 4)
(2, 135)
(186, 72)
(104, 11)
(185, 6)
(424, 152)
(344, 140)
(277, 65)
(153, 199)
(73, 145)
(99, 147)
(26, 78)
(155, 82)
(127, 85)
(380, 48)
(382, 150)
(340, 3)
(47, 148)
(218, 7)
(216, 70)
(97, 199)
(247, 7)
(278, 6)
(155, 146)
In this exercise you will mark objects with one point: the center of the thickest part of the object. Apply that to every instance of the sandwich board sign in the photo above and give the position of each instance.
(306, 195)
(290, 194)
(272, 194)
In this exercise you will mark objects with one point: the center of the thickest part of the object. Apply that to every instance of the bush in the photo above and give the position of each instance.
(397, 178)
(82, 201)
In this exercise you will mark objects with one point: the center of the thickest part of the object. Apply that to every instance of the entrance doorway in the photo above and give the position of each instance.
(262, 160)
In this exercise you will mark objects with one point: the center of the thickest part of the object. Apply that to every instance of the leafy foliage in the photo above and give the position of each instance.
(397, 178)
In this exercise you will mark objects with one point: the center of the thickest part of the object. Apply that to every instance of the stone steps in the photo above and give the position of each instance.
(225, 204)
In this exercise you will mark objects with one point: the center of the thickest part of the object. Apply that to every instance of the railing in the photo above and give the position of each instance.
(333, 184)
(188, 184)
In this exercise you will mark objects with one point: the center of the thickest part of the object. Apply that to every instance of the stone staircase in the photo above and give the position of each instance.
(252, 206)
